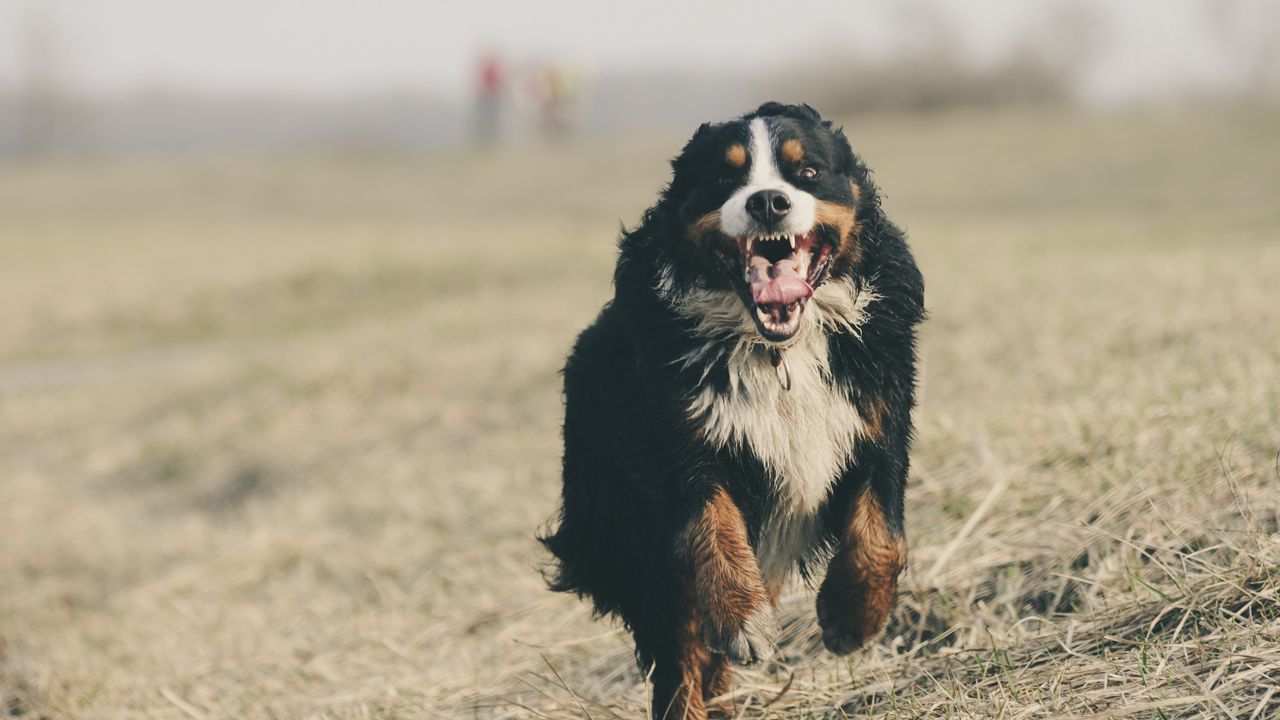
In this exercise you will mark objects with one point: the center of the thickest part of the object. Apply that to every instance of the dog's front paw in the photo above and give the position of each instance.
(748, 642)
(848, 621)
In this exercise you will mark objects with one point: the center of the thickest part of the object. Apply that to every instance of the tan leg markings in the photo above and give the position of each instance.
(862, 579)
(716, 677)
(685, 697)
(874, 411)
(733, 607)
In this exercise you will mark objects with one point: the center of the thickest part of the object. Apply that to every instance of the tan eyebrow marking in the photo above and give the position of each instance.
(736, 156)
(792, 150)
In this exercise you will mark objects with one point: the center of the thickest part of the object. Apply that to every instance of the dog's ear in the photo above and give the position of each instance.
(702, 133)
(684, 166)
(803, 111)
(849, 161)
(691, 148)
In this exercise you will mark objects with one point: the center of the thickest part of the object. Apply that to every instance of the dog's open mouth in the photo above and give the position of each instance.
(781, 272)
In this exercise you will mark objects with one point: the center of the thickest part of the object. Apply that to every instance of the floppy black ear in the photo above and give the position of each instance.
(848, 158)
(700, 136)
(685, 164)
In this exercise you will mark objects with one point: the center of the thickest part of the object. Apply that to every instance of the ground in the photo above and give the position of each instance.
(276, 434)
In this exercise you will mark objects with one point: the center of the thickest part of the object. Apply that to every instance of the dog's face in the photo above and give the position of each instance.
(767, 206)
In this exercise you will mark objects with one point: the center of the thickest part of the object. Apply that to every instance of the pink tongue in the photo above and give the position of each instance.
(779, 283)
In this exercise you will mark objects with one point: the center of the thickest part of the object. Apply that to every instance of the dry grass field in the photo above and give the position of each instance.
(276, 434)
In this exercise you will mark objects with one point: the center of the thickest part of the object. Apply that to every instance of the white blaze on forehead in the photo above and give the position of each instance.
(764, 171)
(764, 175)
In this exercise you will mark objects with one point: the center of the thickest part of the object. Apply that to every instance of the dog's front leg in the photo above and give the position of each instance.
(862, 578)
(731, 604)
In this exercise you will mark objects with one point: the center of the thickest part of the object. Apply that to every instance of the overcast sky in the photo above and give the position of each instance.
(321, 47)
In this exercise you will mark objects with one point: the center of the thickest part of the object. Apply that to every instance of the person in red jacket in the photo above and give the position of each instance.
(490, 80)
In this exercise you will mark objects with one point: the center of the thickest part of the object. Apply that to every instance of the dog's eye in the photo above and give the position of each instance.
(809, 172)
(726, 179)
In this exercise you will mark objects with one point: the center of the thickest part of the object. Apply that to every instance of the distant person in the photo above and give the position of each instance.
(490, 79)
(556, 93)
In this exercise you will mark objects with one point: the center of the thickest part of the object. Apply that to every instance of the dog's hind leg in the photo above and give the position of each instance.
(716, 675)
(678, 679)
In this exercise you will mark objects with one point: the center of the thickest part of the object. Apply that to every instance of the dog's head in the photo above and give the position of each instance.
(767, 206)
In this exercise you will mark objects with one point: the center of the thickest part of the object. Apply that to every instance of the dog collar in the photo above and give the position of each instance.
(780, 365)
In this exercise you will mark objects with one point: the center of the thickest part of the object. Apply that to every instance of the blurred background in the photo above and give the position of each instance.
(285, 288)
(135, 77)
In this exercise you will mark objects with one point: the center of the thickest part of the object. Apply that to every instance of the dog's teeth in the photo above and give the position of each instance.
(750, 242)
(792, 238)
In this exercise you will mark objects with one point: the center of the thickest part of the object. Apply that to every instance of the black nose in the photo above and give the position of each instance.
(768, 206)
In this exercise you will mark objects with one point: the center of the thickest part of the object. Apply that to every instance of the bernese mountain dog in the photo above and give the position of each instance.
(741, 409)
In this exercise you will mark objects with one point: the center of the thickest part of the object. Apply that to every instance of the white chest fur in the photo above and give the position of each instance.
(804, 436)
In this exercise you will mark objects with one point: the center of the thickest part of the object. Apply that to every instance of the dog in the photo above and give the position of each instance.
(741, 409)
